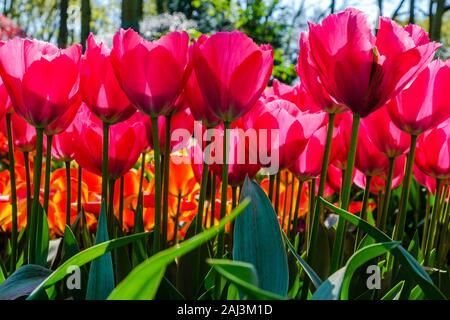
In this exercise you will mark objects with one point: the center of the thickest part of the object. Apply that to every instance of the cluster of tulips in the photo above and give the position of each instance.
(369, 111)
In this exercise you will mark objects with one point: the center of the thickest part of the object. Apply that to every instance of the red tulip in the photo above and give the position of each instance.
(309, 164)
(240, 163)
(232, 72)
(341, 140)
(63, 122)
(64, 144)
(433, 152)
(424, 180)
(99, 86)
(360, 70)
(425, 103)
(127, 142)
(368, 159)
(152, 74)
(42, 80)
(5, 101)
(385, 135)
(24, 135)
(378, 183)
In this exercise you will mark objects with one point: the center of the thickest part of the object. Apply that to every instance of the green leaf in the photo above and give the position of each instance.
(101, 274)
(411, 265)
(70, 244)
(244, 276)
(315, 279)
(359, 258)
(82, 258)
(258, 241)
(43, 237)
(331, 287)
(143, 282)
(394, 293)
(23, 281)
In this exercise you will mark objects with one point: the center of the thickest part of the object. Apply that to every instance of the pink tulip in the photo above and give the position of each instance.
(24, 135)
(151, 73)
(64, 144)
(99, 86)
(433, 152)
(360, 70)
(424, 180)
(5, 101)
(385, 135)
(42, 80)
(232, 72)
(425, 103)
(127, 141)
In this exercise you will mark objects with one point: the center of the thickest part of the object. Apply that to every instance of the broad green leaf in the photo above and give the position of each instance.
(411, 265)
(258, 241)
(43, 237)
(394, 293)
(101, 274)
(82, 258)
(315, 279)
(244, 276)
(23, 281)
(359, 258)
(143, 282)
(330, 289)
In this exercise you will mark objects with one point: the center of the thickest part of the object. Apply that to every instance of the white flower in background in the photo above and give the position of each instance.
(153, 27)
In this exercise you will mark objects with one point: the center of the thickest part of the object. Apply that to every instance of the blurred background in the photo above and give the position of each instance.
(278, 22)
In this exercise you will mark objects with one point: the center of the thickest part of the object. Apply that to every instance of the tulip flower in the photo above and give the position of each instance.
(422, 105)
(153, 75)
(369, 159)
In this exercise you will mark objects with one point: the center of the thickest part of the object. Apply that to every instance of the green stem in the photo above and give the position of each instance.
(12, 174)
(271, 185)
(26, 160)
(277, 191)
(363, 213)
(443, 238)
(433, 224)
(297, 207)
(426, 221)
(233, 197)
(37, 188)
(291, 206)
(69, 193)
(223, 200)
(105, 159)
(157, 154)
(48, 164)
(213, 200)
(121, 194)
(177, 215)
(79, 188)
(345, 200)
(387, 194)
(401, 216)
(166, 159)
(110, 206)
(286, 184)
(203, 186)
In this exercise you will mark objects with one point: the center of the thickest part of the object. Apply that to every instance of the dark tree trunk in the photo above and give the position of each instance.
(430, 16)
(161, 6)
(332, 6)
(85, 21)
(380, 7)
(435, 33)
(131, 14)
(412, 7)
(63, 34)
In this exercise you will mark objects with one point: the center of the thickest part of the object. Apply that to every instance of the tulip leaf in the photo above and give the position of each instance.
(43, 237)
(23, 281)
(359, 258)
(84, 257)
(394, 293)
(143, 281)
(405, 258)
(330, 289)
(315, 279)
(244, 276)
(258, 241)
(101, 274)
(70, 244)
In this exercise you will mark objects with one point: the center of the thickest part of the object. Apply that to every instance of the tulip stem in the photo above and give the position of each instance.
(110, 206)
(286, 186)
(138, 216)
(363, 213)
(345, 200)
(37, 188)
(213, 200)
(12, 174)
(401, 215)
(442, 250)
(387, 194)
(223, 200)
(271, 184)
(68, 192)
(315, 220)
(79, 188)
(291, 206)
(166, 168)
(157, 159)
(48, 164)
(434, 220)
(297, 208)
(121, 194)
(277, 192)
(105, 159)
(26, 161)
(177, 216)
